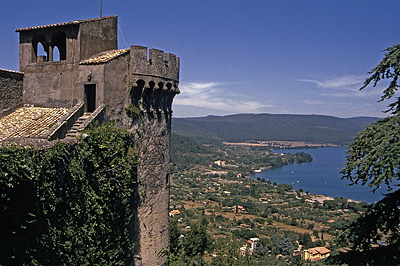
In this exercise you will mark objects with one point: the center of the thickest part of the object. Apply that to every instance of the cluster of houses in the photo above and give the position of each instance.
(312, 254)
(318, 199)
(220, 163)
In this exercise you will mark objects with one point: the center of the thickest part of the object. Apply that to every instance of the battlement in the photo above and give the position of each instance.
(154, 63)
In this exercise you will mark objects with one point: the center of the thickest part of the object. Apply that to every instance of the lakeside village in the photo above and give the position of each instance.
(272, 224)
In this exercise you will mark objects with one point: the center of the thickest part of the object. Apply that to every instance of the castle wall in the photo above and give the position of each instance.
(151, 224)
(61, 83)
(92, 75)
(52, 84)
(116, 88)
(158, 64)
(99, 36)
(10, 91)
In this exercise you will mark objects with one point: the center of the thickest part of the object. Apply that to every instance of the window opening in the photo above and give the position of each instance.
(59, 42)
(41, 51)
(90, 97)
(56, 54)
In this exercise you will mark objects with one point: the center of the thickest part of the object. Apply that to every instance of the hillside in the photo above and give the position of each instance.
(245, 127)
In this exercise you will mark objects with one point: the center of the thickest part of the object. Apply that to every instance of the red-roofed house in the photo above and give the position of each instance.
(174, 212)
(239, 209)
(314, 254)
(252, 243)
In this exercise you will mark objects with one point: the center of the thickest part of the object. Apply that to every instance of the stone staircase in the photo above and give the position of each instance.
(74, 130)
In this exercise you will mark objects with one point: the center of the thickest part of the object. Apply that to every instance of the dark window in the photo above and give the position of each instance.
(40, 49)
(60, 46)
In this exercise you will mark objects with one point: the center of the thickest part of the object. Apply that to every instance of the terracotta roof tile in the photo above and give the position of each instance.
(11, 71)
(63, 24)
(175, 212)
(320, 250)
(104, 58)
(29, 122)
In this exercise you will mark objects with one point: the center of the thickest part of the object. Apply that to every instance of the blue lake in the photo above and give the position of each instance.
(321, 176)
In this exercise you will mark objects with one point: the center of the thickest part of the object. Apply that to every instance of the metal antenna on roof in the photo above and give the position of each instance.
(101, 8)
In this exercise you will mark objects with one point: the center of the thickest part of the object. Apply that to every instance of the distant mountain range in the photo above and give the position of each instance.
(245, 127)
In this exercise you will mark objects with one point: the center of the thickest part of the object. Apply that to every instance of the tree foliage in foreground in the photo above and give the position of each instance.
(373, 159)
(70, 204)
(188, 249)
(388, 68)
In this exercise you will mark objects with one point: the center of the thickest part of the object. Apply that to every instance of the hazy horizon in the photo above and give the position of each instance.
(174, 116)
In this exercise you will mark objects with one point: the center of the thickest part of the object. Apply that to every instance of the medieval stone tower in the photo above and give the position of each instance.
(83, 73)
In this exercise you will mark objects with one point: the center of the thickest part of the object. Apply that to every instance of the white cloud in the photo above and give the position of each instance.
(345, 86)
(313, 102)
(215, 96)
(349, 81)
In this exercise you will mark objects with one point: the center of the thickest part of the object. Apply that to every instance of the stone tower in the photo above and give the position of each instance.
(83, 71)
(155, 83)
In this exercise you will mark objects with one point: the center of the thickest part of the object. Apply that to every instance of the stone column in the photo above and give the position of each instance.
(50, 54)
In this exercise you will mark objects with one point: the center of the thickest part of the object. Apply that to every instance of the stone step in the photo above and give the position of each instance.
(73, 131)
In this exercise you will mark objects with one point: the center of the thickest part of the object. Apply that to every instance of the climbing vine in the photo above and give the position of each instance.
(133, 110)
(70, 204)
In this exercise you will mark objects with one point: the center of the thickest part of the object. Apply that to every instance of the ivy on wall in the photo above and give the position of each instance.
(70, 204)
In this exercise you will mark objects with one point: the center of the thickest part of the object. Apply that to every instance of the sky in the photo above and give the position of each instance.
(254, 56)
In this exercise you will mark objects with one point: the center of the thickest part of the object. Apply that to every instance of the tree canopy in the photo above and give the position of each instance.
(373, 159)
(388, 68)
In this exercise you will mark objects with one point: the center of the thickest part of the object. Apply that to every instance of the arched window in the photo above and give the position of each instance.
(59, 42)
(41, 51)
(56, 54)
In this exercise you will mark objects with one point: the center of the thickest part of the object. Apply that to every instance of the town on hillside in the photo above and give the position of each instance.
(264, 222)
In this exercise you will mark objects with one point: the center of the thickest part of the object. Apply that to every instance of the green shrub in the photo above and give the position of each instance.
(69, 204)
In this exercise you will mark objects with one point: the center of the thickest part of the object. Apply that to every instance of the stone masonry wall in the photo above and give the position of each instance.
(10, 91)
(152, 202)
(151, 125)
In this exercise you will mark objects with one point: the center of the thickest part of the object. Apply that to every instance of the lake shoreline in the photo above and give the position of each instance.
(320, 177)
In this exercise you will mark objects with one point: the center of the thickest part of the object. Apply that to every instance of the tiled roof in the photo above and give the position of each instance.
(104, 58)
(175, 212)
(63, 24)
(320, 250)
(29, 122)
(11, 71)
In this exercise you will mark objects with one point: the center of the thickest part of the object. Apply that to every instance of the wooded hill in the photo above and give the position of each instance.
(246, 127)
